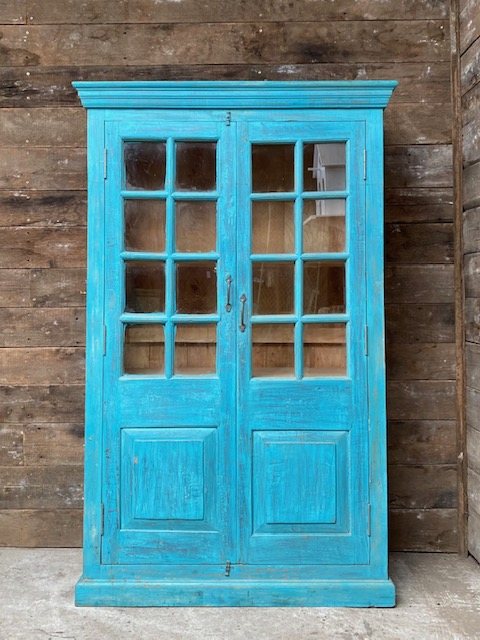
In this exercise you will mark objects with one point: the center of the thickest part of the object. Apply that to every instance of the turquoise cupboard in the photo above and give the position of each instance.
(235, 397)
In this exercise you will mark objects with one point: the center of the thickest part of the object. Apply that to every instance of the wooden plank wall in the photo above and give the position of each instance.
(46, 45)
(469, 37)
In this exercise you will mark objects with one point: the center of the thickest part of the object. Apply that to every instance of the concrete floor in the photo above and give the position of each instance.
(438, 598)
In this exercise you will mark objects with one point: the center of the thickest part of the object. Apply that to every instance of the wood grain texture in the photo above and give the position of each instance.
(55, 487)
(423, 530)
(11, 445)
(469, 27)
(472, 320)
(473, 447)
(152, 11)
(472, 398)
(473, 488)
(418, 323)
(419, 243)
(471, 104)
(41, 209)
(42, 365)
(470, 67)
(43, 127)
(41, 527)
(421, 361)
(421, 400)
(418, 166)
(471, 230)
(422, 442)
(49, 403)
(235, 43)
(42, 327)
(471, 179)
(418, 124)
(419, 284)
(473, 534)
(57, 287)
(471, 142)
(53, 444)
(472, 275)
(13, 12)
(42, 248)
(42, 168)
(418, 205)
(423, 486)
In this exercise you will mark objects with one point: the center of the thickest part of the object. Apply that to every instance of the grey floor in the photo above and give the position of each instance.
(438, 597)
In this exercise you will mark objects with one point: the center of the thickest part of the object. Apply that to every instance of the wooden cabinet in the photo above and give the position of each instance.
(235, 436)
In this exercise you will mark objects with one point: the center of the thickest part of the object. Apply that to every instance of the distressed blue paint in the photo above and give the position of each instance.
(274, 475)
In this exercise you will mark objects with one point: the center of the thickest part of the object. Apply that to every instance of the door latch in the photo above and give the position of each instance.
(228, 567)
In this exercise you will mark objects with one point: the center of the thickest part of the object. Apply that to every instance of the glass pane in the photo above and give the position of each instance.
(144, 348)
(145, 165)
(272, 350)
(196, 166)
(272, 167)
(324, 350)
(324, 166)
(195, 226)
(196, 287)
(144, 286)
(323, 287)
(323, 225)
(272, 227)
(145, 225)
(195, 348)
(272, 287)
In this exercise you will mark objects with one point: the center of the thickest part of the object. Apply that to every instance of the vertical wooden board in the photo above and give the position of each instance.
(469, 23)
(471, 142)
(43, 208)
(41, 527)
(473, 446)
(53, 444)
(471, 188)
(472, 320)
(470, 67)
(418, 166)
(472, 398)
(42, 168)
(473, 490)
(473, 535)
(471, 266)
(423, 530)
(471, 104)
(422, 442)
(52, 403)
(42, 327)
(44, 365)
(471, 230)
(57, 287)
(472, 366)
(419, 323)
(37, 248)
(44, 127)
(11, 445)
(52, 487)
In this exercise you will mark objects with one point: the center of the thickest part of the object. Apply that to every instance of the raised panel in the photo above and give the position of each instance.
(299, 481)
(168, 478)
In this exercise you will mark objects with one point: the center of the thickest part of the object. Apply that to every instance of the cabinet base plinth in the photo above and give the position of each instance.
(235, 593)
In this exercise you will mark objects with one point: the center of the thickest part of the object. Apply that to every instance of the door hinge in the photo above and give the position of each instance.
(228, 118)
(228, 567)
(364, 164)
(104, 346)
(369, 520)
(105, 163)
(366, 339)
(102, 518)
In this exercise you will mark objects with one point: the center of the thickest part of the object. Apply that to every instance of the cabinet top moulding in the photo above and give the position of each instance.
(222, 94)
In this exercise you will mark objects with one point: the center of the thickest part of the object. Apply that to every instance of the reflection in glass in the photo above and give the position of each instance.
(324, 166)
(272, 227)
(195, 226)
(195, 349)
(145, 225)
(144, 165)
(272, 287)
(323, 287)
(272, 350)
(144, 286)
(323, 226)
(196, 166)
(196, 287)
(272, 167)
(324, 350)
(144, 348)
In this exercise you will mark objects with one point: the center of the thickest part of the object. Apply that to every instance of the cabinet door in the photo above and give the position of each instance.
(302, 410)
(170, 343)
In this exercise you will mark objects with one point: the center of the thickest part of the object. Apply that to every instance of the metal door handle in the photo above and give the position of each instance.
(228, 280)
(243, 299)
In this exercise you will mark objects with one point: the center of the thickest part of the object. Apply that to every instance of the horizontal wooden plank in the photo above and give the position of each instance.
(277, 42)
(53, 487)
(42, 248)
(422, 442)
(41, 365)
(44, 127)
(421, 400)
(13, 12)
(431, 486)
(152, 11)
(469, 23)
(418, 123)
(473, 491)
(472, 367)
(470, 67)
(471, 142)
(421, 361)
(15, 287)
(472, 405)
(41, 528)
(471, 274)
(471, 186)
(42, 168)
(418, 166)
(474, 535)
(11, 445)
(57, 287)
(473, 446)
(433, 530)
(42, 327)
(422, 243)
(52, 403)
(43, 208)
(472, 319)
(37, 86)
(53, 444)
(418, 323)
(419, 205)
(471, 230)
(419, 284)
